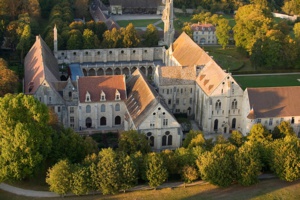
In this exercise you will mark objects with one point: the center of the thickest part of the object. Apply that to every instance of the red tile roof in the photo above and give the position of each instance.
(203, 27)
(96, 84)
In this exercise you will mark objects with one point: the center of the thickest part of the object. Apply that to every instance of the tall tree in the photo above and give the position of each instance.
(297, 30)
(132, 141)
(24, 42)
(59, 177)
(80, 178)
(128, 172)
(151, 36)
(90, 40)
(131, 38)
(291, 7)
(236, 138)
(8, 79)
(222, 32)
(155, 170)
(259, 133)
(25, 136)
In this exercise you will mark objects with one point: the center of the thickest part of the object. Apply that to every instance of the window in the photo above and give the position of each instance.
(150, 139)
(233, 124)
(191, 90)
(181, 91)
(184, 101)
(177, 101)
(40, 99)
(167, 139)
(88, 122)
(88, 109)
(71, 109)
(87, 97)
(169, 101)
(234, 104)
(167, 91)
(117, 120)
(102, 108)
(292, 120)
(71, 120)
(117, 107)
(216, 125)
(70, 94)
(218, 105)
(191, 100)
(270, 121)
(258, 120)
(152, 124)
(165, 122)
(49, 99)
(102, 121)
(102, 96)
(58, 109)
(177, 110)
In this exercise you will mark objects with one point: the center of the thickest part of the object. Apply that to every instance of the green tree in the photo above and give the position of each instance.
(108, 172)
(291, 7)
(259, 133)
(236, 138)
(187, 29)
(151, 36)
(128, 172)
(81, 8)
(190, 136)
(189, 174)
(171, 161)
(8, 79)
(218, 166)
(24, 42)
(131, 38)
(59, 177)
(25, 136)
(285, 158)
(222, 32)
(248, 164)
(156, 171)
(112, 39)
(132, 141)
(75, 41)
(90, 40)
(80, 178)
(282, 130)
(297, 30)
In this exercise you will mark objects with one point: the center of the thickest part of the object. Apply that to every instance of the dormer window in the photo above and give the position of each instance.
(102, 96)
(87, 97)
(117, 95)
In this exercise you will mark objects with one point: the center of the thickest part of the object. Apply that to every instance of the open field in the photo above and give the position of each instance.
(137, 23)
(268, 80)
(265, 190)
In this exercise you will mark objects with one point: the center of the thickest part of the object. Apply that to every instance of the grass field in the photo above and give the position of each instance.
(265, 190)
(268, 80)
(137, 23)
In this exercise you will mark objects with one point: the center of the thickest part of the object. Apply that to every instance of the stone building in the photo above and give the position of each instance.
(119, 7)
(204, 33)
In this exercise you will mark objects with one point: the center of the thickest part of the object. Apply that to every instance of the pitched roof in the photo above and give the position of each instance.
(210, 77)
(269, 102)
(39, 65)
(176, 75)
(188, 53)
(94, 85)
(142, 98)
(136, 3)
(203, 27)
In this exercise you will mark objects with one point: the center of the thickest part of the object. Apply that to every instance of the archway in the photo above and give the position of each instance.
(143, 69)
(92, 72)
(103, 121)
(108, 71)
(117, 120)
(233, 124)
(100, 72)
(216, 125)
(126, 71)
(84, 72)
(88, 122)
(117, 71)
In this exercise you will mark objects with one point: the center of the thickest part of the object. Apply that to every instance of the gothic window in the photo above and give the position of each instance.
(102, 108)
(117, 120)
(103, 121)
(218, 105)
(150, 139)
(234, 104)
(233, 124)
(117, 107)
(167, 139)
(216, 124)
(88, 109)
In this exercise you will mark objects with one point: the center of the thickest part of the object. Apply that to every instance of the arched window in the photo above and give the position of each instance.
(292, 120)
(117, 107)
(218, 105)
(102, 108)
(117, 120)
(233, 124)
(234, 104)
(88, 122)
(102, 121)
(216, 125)
(150, 139)
(167, 139)
(88, 109)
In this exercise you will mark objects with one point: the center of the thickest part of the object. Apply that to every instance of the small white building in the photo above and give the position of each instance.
(204, 33)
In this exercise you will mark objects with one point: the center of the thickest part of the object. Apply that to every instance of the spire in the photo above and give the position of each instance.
(55, 40)
(168, 18)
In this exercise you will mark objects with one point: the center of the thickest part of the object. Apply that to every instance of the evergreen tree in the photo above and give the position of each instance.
(155, 170)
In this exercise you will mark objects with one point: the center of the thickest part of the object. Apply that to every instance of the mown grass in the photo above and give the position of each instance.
(137, 23)
(268, 80)
(265, 190)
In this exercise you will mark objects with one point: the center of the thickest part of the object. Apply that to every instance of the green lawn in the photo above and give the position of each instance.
(265, 190)
(268, 80)
(137, 23)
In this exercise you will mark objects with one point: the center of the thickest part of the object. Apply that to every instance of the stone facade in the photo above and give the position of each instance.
(204, 34)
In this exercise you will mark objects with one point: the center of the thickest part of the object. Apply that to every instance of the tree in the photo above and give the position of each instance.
(25, 136)
(80, 178)
(81, 8)
(108, 172)
(291, 7)
(131, 38)
(151, 36)
(252, 23)
(282, 130)
(75, 40)
(285, 158)
(171, 161)
(59, 177)
(189, 174)
(128, 172)
(90, 40)
(222, 32)
(156, 171)
(297, 30)
(8, 79)
(218, 167)
(24, 42)
(236, 138)
(132, 141)
(187, 29)
(259, 133)
(112, 39)
(248, 164)
(190, 136)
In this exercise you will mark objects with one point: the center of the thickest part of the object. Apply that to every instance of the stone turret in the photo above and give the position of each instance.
(168, 18)
(55, 41)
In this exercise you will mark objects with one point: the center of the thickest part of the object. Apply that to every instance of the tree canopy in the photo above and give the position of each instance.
(8, 79)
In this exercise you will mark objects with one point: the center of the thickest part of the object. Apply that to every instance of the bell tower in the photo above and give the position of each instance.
(168, 18)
